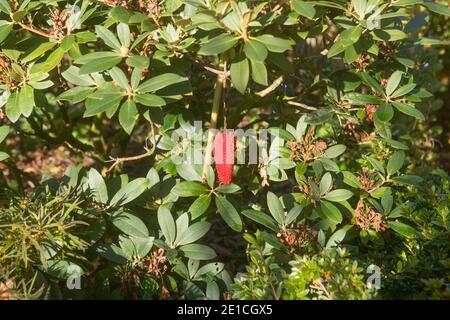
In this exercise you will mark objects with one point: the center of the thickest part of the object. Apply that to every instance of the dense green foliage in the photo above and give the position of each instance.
(96, 191)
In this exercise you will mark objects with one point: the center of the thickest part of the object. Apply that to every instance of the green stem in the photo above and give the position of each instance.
(213, 124)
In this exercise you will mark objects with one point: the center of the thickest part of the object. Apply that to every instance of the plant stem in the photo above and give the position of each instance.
(213, 123)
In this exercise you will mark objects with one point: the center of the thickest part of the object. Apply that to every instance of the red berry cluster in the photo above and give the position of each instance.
(224, 154)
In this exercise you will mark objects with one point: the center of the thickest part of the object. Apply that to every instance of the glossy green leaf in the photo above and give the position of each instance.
(330, 211)
(129, 224)
(198, 252)
(403, 229)
(338, 195)
(128, 115)
(194, 232)
(218, 45)
(199, 206)
(240, 73)
(255, 50)
(395, 162)
(97, 186)
(261, 218)
(409, 110)
(129, 192)
(304, 8)
(229, 213)
(189, 189)
(167, 224)
(275, 208)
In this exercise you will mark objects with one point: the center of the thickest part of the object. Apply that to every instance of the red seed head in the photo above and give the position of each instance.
(224, 153)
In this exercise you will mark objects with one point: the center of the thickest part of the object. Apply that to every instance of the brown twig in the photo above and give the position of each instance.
(302, 105)
(37, 31)
(270, 88)
(148, 153)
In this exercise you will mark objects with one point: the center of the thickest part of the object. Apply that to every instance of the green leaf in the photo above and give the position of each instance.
(123, 32)
(281, 133)
(139, 62)
(218, 45)
(384, 113)
(438, 8)
(98, 186)
(393, 82)
(255, 50)
(52, 61)
(325, 183)
(388, 35)
(329, 165)
(75, 95)
(159, 82)
(26, 100)
(72, 75)
(128, 115)
(68, 42)
(304, 8)
(229, 213)
(210, 269)
(194, 232)
(4, 131)
(5, 29)
(101, 64)
(404, 90)
(240, 73)
(376, 164)
(386, 201)
(395, 162)
(189, 189)
(408, 180)
(293, 214)
(338, 195)
(330, 211)
(142, 245)
(261, 218)
(3, 156)
(190, 172)
(120, 14)
(167, 224)
(259, 72)
(274, 44)
(350, 36)
(409, 110)
(362, 99)
(12, 107)
(371, 82)
(113, 253)
(337, 237)
(101, 101)
(39, 51)
(228, 188)
(275, 208)
(108, 37)
(129, 192)
(403, 229)
(335, 151)
(198, 252)
(150, 100)
(335, 49)
(212, 291)
(5, 7)
(351, 180)
(199, 206)
(129, 224)
(119, 78)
